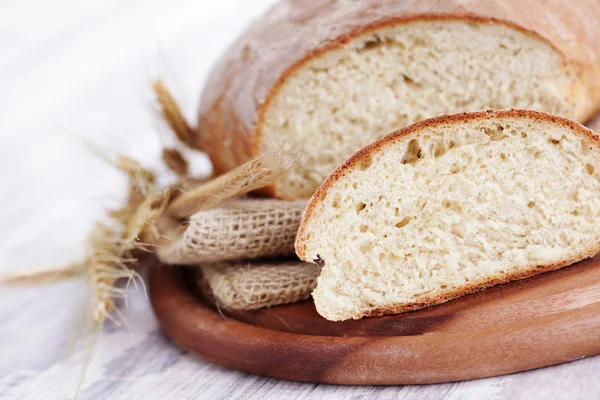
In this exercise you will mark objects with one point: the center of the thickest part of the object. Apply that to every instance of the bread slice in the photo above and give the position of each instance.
(332, 76)
(449, 206)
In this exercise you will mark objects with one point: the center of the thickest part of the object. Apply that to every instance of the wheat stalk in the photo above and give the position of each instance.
(171, 113)
(44, 275)
(254, 174)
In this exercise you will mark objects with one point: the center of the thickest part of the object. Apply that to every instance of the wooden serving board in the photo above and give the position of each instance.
(545, 320)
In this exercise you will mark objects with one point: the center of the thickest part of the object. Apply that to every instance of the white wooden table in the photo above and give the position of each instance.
(71, 69)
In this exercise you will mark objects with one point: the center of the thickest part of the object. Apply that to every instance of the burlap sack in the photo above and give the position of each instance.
(254, 285)
(244, 228)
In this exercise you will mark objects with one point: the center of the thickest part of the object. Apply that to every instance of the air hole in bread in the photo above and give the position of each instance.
(372, 44)
(408, 81)
(453, 205)
(414, 152)
(554, 141)
(365, 164)
(440, 149)
(360, 206)
(495, 134)
(336, 201)
(590, 169)
(403, 223)
(585, 147)
(363, 228)
(531, 204)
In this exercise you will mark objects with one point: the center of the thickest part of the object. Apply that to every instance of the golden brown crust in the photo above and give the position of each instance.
(294, 31)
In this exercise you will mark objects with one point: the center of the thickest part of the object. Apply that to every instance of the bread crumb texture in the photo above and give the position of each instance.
(452, 206)
(344, 99)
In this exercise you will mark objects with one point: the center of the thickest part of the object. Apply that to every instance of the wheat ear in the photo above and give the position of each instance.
(254, 174)
(176, 162)
(171, 113)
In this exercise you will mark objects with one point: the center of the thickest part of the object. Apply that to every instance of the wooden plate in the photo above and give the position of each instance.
(545, 320)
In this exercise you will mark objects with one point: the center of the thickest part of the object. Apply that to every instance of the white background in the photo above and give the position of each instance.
(71, 70)
(82, 69)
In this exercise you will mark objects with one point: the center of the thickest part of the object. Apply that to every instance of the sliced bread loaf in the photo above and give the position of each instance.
(331, 76)
(449, 206)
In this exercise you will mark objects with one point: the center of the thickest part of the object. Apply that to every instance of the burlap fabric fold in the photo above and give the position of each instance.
(244, 228)
(251, 285)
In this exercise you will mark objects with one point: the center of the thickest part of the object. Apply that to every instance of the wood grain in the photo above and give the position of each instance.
(542, 321)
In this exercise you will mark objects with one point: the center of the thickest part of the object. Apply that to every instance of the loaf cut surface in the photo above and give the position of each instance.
(331, 76)
(449, 206)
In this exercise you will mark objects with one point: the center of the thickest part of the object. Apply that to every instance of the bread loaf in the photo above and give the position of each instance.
(331, 76)
(449, 206)
(594, 124)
